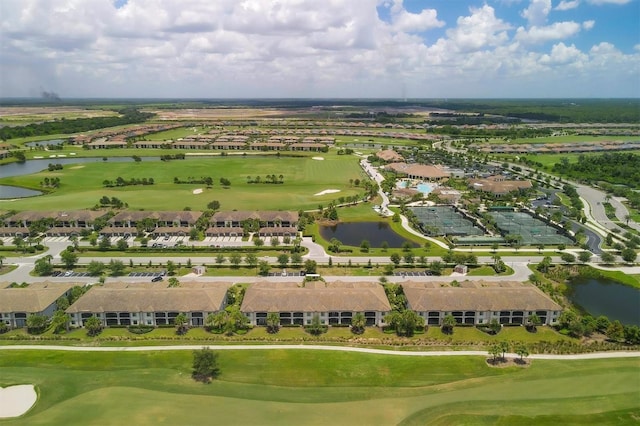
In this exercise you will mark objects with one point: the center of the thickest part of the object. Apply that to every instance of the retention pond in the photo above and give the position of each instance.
(600, 296)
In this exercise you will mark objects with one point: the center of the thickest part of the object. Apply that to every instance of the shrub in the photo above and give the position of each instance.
(140, 329)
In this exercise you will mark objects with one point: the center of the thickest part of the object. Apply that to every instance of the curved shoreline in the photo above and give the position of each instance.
(591, 355)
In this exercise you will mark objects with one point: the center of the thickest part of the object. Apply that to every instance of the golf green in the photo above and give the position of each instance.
(317, 387)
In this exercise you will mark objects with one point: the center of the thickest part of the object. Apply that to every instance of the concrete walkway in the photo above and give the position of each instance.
(595, 355)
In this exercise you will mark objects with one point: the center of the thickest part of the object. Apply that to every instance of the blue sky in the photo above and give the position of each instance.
(312, 48)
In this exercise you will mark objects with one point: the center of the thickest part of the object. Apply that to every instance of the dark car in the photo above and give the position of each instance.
(156, 279)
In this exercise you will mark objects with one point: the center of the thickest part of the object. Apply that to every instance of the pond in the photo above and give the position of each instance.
(600, 296)
(9, 192)
(43, 143)
(35, 166)
(352, 233)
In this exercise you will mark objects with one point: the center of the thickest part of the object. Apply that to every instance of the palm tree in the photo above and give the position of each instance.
(504, 347)
(494, 351)
(533, 321)
(447, 324)
(522, 351)
(182, 323)
(2, 258)
(273, 322)
(358, 323)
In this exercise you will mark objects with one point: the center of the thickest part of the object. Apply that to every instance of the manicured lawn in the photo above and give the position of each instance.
(310, 387)
(621, 277)
(82, 185)
(468, 337)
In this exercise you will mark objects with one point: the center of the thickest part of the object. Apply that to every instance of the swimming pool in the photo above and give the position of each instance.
(424, 187)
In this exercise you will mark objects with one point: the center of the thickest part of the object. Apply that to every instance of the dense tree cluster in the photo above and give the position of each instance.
(120, 181)
(204, 180)
(616, 168)
(64, 126)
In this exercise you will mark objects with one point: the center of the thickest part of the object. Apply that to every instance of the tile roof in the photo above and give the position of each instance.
(34, 298)
(125, 298)
(493, 297)
(315, 297)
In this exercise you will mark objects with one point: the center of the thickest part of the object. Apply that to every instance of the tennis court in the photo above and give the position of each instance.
(533, 231)
(444, 220)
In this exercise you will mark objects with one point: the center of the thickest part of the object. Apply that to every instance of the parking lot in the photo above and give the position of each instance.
(286, 274)
(69, 274)
(413, 273)
(145, 274)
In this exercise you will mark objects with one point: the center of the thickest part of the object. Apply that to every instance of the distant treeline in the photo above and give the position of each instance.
(555, 110)
(615, 168)
(64, 126)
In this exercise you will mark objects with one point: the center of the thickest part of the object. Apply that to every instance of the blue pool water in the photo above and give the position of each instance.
(423, 187)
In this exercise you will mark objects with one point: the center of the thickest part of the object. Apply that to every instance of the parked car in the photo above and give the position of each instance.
(156, 279)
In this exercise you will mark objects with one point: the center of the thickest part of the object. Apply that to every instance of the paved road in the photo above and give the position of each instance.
(596, 355)
(595, 198)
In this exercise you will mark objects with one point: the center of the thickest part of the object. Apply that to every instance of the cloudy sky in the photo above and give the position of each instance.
(320, 48)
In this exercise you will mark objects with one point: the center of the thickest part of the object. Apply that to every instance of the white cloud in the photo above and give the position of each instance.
(537, 12)
(555, 31)
(562, 54)
(480, 30)
(408, 22)
(289, 48)
(567, 5)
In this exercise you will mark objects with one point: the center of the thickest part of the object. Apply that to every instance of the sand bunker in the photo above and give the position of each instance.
(77, 167)
(327, 191)
(317, 158)
(17, 400)
(197, 191)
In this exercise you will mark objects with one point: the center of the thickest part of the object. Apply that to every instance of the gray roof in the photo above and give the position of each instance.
(266, 215)
(135, 299)
(424, 298)
(32, 299)
(315, 297)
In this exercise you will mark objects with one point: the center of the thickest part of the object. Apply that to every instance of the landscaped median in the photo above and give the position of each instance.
(545, 340)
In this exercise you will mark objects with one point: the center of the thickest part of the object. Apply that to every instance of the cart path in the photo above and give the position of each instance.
(592, 355)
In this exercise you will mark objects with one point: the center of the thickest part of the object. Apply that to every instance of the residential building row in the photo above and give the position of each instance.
(157, 223)
(557, 148)
(335, 303)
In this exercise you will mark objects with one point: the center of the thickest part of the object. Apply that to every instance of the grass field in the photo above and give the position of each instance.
(81, 185)
(307, 387)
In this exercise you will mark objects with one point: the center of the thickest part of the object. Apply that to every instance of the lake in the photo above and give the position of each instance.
(352, 233)
(9, 192)
(600, 296)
